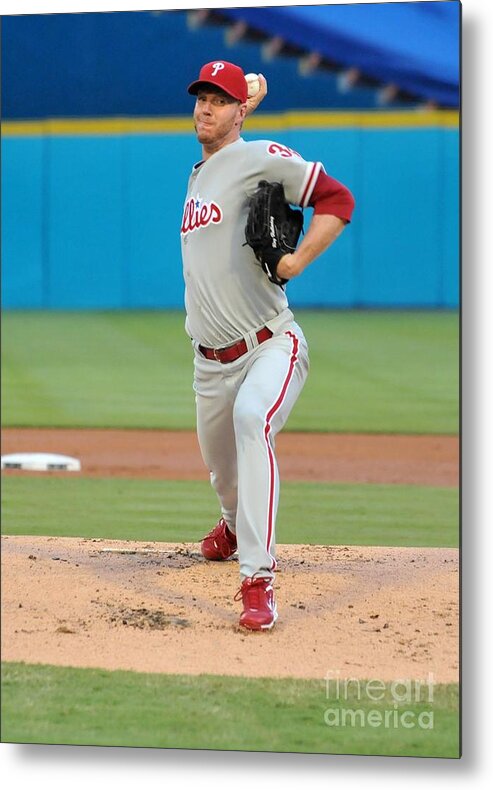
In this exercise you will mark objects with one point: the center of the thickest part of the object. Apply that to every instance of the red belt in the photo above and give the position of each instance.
(230, 353)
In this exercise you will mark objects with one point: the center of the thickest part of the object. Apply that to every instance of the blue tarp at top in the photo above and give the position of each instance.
(413, 45)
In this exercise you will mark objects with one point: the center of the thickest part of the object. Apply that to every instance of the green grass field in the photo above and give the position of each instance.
(361, 515)
(370, 371)
(45, 704)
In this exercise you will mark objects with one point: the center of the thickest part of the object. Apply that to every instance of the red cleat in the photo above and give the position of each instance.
(220, 543)
(259, 606)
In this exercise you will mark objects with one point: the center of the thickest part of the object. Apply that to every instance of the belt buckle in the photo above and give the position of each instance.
(215, 351)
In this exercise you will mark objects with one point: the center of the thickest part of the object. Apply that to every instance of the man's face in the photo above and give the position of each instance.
(217, 117)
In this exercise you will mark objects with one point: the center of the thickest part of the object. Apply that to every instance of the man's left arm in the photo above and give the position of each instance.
(322, 232)
(334, 205)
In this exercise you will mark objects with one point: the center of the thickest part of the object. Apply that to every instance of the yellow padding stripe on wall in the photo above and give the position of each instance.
(60, 127)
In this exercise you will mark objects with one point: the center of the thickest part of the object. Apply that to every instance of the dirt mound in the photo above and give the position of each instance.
(364, 612)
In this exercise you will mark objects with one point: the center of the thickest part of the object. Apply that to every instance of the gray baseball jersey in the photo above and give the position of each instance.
(227, 295)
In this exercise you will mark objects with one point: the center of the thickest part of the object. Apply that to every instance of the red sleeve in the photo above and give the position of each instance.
(331, 197)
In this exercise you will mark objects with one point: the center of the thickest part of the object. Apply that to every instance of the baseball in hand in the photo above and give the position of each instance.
(253, 84)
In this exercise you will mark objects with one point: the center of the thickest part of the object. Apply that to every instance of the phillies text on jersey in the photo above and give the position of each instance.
(197, 213)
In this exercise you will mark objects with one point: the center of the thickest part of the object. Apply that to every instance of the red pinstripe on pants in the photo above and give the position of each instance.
(267, 428)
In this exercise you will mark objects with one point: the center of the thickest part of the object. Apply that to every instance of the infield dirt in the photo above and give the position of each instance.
(329, 457)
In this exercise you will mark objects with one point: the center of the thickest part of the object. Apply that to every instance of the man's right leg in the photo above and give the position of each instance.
(215, 432)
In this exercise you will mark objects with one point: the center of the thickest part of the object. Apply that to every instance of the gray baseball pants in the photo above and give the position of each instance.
(241, 406)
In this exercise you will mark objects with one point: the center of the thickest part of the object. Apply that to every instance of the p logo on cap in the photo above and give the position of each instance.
(217, 67)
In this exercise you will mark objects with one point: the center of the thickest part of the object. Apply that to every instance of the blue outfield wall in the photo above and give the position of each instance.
(93, 221)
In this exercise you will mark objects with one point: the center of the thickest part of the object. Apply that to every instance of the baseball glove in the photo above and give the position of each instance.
(273, 227)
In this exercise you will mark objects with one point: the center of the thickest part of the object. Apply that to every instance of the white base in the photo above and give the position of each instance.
(41, 462)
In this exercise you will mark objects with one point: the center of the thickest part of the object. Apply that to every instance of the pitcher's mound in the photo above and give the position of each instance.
(376, 612)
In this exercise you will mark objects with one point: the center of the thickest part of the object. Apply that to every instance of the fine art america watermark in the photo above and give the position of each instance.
(350, 702)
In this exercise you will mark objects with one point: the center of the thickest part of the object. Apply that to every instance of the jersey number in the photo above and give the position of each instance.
(282, 150)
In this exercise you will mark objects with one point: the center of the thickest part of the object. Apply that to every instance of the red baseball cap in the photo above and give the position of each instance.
(227, 76)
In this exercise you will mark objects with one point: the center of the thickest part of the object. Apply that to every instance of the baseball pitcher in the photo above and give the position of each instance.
(239, 246)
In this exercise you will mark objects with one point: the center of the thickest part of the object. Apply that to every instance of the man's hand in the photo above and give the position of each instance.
(286, 268)
(253, 102)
